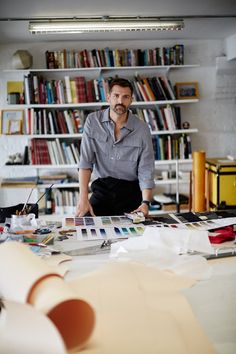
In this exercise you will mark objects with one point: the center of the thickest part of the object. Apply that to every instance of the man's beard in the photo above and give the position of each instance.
(120, 109)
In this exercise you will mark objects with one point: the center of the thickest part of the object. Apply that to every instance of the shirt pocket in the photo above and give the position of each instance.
(129, 152)
(100, 143)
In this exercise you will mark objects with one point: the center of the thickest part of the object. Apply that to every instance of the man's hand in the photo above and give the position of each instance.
(143, 208)
(83, 207)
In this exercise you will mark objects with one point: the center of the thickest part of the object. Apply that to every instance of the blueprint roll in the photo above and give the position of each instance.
(199, 203)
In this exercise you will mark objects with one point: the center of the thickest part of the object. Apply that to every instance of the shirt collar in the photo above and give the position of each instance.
(129, 124)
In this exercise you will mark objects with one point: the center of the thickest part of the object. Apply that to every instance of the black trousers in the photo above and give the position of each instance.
(113, 196)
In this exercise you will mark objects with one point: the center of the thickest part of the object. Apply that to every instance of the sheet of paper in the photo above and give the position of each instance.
(166, 248)
(141, 310)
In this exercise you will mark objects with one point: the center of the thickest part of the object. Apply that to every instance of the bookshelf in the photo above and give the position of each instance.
(30, 109)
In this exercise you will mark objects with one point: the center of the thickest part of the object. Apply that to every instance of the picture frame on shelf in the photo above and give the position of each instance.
(187, 90)
(11, 122)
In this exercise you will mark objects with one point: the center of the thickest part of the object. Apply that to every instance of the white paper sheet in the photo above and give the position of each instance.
(162, 247)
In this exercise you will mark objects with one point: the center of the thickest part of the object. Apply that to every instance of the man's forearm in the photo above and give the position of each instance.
(84, 178)
(147, 194)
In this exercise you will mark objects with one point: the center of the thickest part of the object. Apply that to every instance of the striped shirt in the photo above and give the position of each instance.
(131, 157)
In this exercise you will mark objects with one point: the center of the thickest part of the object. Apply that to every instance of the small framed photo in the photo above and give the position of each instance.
(12, 121)
(187, 90)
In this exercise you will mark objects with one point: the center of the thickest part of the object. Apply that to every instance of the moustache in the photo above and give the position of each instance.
(120, 105)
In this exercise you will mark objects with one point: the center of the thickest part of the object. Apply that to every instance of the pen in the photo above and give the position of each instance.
(36, 244)
(22, 211)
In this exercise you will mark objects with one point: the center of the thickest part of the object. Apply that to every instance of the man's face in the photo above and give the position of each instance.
(120, 99)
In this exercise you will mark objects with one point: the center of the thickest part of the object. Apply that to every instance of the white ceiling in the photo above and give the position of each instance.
(195, 28)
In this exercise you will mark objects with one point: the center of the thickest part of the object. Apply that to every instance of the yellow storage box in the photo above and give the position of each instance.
(222, 183)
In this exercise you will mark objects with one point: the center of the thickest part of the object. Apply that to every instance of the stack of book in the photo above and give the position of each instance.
(21, 182)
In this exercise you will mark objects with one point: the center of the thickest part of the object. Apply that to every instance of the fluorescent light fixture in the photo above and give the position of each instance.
(103, 24)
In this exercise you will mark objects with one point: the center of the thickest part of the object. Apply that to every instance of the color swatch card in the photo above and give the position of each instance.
(99, 221)
(103, 227)
(113, 232)
(194, 223)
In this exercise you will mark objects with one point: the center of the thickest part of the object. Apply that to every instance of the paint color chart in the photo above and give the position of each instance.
(104, 227)
(201, 225)
(99, 221)
(104, 233)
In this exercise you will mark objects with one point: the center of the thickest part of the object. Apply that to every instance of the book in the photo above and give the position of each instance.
(68, 89)
(81, 89)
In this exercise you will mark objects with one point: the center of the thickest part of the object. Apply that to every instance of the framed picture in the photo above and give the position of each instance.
(187, 90)
(12, 121)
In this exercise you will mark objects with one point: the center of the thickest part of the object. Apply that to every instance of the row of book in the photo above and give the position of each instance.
(53, 152)
(172, 147)
(161, 118)
(60, 201)
(71, 121)
(38, 90)
(50, 121)
(65, 201)
(108, 57)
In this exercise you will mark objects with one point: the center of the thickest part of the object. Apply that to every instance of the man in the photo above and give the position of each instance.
(117, 147)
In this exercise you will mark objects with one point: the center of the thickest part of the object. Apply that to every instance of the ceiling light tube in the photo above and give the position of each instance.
(103, 25)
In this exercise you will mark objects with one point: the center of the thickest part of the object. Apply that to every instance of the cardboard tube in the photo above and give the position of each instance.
(199, 181)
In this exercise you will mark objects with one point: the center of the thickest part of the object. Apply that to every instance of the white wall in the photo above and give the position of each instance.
(214, 115)
(230, 44)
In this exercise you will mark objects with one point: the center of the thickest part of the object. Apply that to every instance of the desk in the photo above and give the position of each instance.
(212, 301)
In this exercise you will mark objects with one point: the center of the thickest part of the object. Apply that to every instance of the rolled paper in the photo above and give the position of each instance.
(26, 278)
(73, 317)
(199, 203)
(20, 271)
(25, 330)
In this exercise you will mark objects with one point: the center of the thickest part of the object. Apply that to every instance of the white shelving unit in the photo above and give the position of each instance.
(94, 73)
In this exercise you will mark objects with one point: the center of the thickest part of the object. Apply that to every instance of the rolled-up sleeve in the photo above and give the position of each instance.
(87, 157)
(146, 164)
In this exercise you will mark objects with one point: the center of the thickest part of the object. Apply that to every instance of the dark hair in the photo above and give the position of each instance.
(120, 82)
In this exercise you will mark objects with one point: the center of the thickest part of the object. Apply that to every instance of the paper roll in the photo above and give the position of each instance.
(73, 317)
(199, 181)
(20, 270)
(23, 330)
(25, 278)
